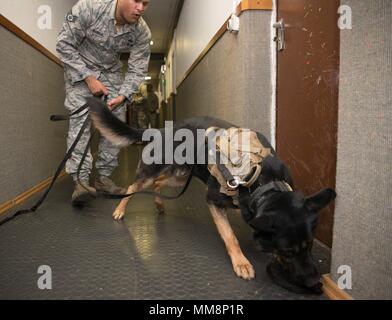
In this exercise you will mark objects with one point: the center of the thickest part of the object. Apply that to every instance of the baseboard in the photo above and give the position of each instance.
(332, 291)
(29, 193)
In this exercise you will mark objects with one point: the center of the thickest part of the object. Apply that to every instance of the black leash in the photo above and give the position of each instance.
(99, 194)
(106, 195)
(58, 171)
(122, 196)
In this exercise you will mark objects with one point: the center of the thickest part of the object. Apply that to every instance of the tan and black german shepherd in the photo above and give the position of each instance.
(283, 221)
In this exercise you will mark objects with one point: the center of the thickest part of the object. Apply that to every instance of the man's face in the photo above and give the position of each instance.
(132, 10)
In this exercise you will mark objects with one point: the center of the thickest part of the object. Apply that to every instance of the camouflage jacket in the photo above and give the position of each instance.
(90, 44)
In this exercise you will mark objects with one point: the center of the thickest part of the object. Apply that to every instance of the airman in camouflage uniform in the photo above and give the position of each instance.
(152, 106)
(90, 42)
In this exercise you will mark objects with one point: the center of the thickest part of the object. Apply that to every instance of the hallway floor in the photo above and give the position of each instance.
(178, 255)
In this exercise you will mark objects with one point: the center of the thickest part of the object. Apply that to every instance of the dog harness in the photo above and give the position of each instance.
(235, 157)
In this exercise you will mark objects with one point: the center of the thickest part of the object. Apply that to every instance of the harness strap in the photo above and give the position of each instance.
(254, 177)
(243, 194)
(223, 169)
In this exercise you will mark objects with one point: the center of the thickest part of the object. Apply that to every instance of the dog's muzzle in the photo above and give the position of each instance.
(258, 220)
(280, 275)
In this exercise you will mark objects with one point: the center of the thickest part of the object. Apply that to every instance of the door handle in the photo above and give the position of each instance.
(279, 38)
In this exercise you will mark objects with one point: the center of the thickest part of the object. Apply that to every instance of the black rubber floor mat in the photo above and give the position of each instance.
(177, 255)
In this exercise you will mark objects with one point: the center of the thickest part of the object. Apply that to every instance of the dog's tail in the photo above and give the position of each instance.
(113, 129)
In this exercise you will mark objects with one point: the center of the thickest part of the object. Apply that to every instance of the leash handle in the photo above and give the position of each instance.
(56, 117)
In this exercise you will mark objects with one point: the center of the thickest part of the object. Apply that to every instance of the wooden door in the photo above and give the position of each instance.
(307, 97)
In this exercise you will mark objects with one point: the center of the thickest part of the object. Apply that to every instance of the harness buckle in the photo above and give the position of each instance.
(235, 183)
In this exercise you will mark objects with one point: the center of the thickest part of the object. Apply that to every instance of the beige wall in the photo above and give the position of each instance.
(362, 235)
(233, 81)
(24, 14)
(198, 23)
(32, 89)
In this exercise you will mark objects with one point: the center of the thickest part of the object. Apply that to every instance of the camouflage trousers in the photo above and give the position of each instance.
(107, 158)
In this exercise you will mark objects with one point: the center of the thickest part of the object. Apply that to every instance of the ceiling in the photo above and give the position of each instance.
(161, 16)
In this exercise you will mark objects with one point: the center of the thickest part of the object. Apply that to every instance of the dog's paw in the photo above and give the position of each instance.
(244, 269)
(118, 214)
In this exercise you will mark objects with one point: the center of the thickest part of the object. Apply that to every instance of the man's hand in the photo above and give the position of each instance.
(115, 102)
(96, 87)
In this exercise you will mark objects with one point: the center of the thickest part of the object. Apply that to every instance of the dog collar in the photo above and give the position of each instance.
(259, 192)
(259, 189)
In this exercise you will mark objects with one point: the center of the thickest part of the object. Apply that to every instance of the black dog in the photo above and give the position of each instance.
(283, 220)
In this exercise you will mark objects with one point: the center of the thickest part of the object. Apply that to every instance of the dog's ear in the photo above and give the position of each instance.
(319, 200)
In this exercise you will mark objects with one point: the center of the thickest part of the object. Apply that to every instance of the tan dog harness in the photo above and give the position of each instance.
(240, 152)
